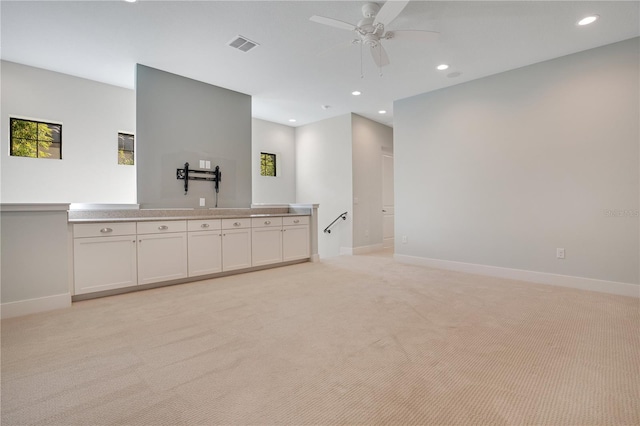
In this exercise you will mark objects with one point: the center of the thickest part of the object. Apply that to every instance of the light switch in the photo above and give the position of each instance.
(202, 164)
(207, 164)
(202, 202)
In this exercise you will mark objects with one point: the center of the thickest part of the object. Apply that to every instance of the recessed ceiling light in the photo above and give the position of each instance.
(442, 67)
(356, 93)
(130, 1)
(588, 20)
(382, 111)
(292, 120)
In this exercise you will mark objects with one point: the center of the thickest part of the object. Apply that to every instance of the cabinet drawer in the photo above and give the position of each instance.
(295, 220)
(203, 225)
(262, 222)
(244, 222)
(162, 227)
(103, 229)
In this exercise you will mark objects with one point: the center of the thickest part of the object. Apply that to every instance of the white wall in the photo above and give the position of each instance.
(280, 140)
(91, 114)
(183, 120)
(502, 171)
(370, 140)
(324, 176)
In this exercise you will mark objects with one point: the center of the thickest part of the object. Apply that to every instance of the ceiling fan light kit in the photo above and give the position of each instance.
(371, 30)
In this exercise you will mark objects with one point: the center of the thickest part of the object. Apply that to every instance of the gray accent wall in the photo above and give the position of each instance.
(504, 170)
(183, 120)
(35, 255)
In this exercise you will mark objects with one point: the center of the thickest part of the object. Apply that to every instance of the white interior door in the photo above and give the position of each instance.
(387, 201)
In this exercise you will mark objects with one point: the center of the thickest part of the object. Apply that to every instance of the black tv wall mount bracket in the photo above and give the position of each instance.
(186, 175)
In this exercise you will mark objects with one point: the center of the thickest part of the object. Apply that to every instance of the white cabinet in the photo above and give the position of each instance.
(204, 247)
(295, 238)
(266, 241)
(121, 254)
(102, 261)
(236, 244)
(280, 239)
(162, 251)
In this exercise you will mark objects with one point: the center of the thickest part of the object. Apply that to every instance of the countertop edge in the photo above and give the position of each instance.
(173, 218)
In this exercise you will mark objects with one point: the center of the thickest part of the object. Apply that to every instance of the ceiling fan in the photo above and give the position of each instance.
(371, 30)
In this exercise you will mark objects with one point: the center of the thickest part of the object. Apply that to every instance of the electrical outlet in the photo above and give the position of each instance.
(560, 253)
(405, 240)
(202, 202)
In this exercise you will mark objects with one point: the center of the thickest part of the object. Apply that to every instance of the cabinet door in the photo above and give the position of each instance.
(104, 263)
(205, 252)
(236, 249)
(162, 257)
(295, 242)
(266, 246)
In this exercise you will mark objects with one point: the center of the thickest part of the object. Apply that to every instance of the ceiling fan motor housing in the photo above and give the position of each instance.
(370, 40)
(370, 10)
(366, 28)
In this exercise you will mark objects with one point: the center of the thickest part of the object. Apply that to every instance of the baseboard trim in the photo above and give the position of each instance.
(34, 306)
(368, 249)
(315, 258)
(353, 251)
(590, 284)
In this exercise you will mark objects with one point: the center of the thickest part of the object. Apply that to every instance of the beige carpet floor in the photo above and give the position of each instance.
(349, 340)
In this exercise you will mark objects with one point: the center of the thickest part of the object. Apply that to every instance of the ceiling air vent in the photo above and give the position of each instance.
(243, 43)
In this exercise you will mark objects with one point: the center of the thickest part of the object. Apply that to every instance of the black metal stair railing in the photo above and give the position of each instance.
(343, 216)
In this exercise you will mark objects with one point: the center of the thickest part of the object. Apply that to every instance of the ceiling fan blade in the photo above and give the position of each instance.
(390, 11)
(415, 35)
(379, 55)
(332, 22)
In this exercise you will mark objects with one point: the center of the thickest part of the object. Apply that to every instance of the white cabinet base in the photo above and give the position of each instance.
(104, 263)
(109, 257)
(205, 253)
(162, 257)
(236, 249)
(295, 242)
(266, 246)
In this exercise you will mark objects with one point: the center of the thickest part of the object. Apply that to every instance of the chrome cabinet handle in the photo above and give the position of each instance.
(163, 227)
(204, 225)
(236, 224)
(296, 221)
(267, 222)
(106, 230)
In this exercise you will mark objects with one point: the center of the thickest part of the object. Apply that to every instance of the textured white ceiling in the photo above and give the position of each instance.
(286, 75)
